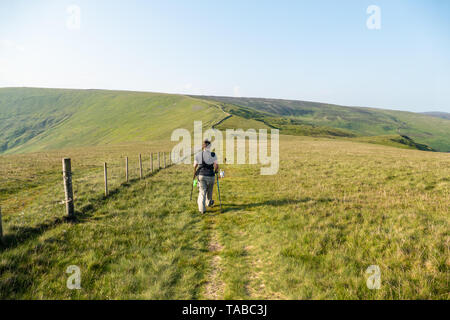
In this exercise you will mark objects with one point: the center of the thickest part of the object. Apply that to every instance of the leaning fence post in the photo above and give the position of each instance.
(105, 167)
(68, 190)
(140, 166)
(159, 161)
(126, 168)
(151, 162)
(1, 227)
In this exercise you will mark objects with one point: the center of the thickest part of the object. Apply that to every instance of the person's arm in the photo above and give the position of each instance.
(195, 168)
(195, 165)
(216, 167)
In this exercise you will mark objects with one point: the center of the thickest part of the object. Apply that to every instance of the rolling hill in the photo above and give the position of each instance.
(36, 119)
(443, 115)
(432, 131)
(33, 119)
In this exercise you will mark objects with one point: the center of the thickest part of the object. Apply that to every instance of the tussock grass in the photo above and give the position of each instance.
(138, 243)
(309, 232)
(335, 208)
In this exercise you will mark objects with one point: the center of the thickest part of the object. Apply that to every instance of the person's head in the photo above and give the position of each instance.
(206, 144)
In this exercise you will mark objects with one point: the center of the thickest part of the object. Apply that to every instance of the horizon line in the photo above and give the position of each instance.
(225, 96)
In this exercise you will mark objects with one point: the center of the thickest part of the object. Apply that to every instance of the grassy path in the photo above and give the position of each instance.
(309, 232)
(334, 209)
(214, 285)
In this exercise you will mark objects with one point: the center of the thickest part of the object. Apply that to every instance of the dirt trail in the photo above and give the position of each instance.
(215, 286)
(228, 116)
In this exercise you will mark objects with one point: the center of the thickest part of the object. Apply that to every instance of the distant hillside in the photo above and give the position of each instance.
(398, 141)
(33, 119)
(438, 114)
(423, 129)
(244, 117)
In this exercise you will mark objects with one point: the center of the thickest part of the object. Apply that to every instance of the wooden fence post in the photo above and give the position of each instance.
(140, 166)
(151, 162)
(126, 168)
(1, 227)
(105, 167)
(68, 189)
(159, 161)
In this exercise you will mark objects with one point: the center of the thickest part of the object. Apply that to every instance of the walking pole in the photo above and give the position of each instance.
(218, 191)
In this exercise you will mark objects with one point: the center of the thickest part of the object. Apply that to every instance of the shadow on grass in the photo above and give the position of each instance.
(227, 208)
(22, 234)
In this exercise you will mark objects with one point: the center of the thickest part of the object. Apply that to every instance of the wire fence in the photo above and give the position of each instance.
(114, 173)
(93, 181)
(83, 182)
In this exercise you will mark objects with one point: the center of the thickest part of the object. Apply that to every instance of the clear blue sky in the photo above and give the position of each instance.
(306, 50)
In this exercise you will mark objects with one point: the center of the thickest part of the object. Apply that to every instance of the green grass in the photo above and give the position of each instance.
(397, 141)
(35, 119)
(245, 118)
(309, 232)
(129, 245)
(335, 208)
(422, 128)
(241, 123)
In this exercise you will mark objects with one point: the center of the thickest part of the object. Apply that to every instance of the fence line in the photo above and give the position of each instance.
(110, 174)
(113, 178)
